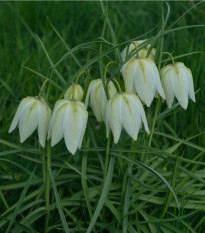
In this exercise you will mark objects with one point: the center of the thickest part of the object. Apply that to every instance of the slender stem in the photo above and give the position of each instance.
(118, 85)
(153, 126)
(106, 68)
(107, 156)
(47, 197)
(83, 72)
(170, 56)
(42, 87)
(44, 166)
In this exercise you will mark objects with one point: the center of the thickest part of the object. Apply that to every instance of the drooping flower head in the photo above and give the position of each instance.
(141, 76)
(177, 81)
(68, 121)
(142, 52)
(32, 113)
(75, 91)
(97, 99)
(125, 111)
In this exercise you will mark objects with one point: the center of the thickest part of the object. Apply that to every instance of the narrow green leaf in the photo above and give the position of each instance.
(58, 203)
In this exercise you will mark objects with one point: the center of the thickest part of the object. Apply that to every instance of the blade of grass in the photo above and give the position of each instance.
(103, 195)
(18, 206)
(58, 203)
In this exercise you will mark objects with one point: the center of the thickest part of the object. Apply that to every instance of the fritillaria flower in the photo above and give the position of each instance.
(68, 121)
(32, 113)
(125, 111)
(97, 99)
(142, 52)
(177, 81)
(141, 76)
(75, 91)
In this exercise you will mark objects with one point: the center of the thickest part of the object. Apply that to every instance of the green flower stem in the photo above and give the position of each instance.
(42, 87)
(153, 126)
(107, 156)
(106, 68)
(170, 56)
(44, 166)
(47, 191)
(83, 72)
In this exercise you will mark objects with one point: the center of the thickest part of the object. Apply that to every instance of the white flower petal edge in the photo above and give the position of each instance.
(177, 81)
(97, 99)
(141, 75)
(125, 111)
(32, 113)
(69, 121)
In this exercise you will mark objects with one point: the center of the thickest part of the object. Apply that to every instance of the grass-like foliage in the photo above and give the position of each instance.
(151, 185)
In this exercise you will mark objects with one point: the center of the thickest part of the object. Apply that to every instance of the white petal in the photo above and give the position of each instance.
(56, 125)
(116, 112)
(139, 108)
(190, 83)
(155, 75)
(130, 118)
(74, 124)
(22, 106)
(167, 84)
(96, 101)
(128, 73)
(91, 87)
(180, 86)
(108, 119)
(28, 121)
(144, 82)
(57, 106)
(44, 115)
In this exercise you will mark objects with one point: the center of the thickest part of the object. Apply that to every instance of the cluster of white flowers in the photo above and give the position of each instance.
(122, 110)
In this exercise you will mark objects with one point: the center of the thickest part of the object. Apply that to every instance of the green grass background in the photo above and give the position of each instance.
(78, 23)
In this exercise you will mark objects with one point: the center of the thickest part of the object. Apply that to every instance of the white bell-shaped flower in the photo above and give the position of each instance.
(75, 91)
(141, 76)
(97, 99)
(177, 81)
(32, 113)
(142, 52)
(68, 121)
(125, 111)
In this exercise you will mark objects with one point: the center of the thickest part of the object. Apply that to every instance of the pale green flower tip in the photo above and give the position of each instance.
(75, 91)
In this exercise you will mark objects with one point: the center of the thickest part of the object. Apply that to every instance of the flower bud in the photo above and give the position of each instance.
(141, 76)
(97, 99)
(142, 52)
(75, 91)
(68, 121)
(125, 111)
(177, 81)
(32, 113)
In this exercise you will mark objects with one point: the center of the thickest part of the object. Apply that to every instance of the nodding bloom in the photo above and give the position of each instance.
(97, 99)
(141, 76)
(142, 52)
(68, 121)
(75, 91)
(125, 111)
(177, 81)
(32, 113)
